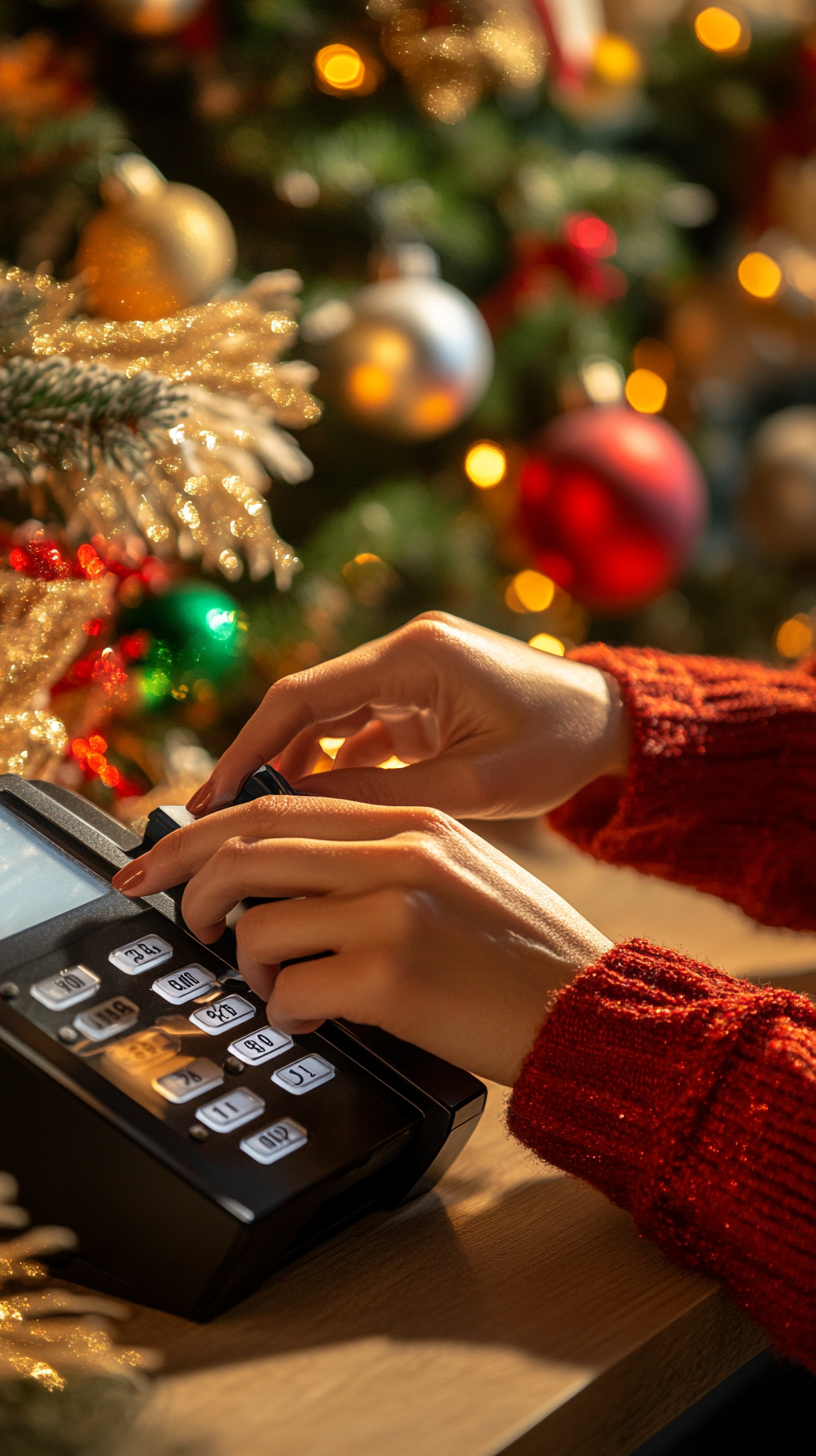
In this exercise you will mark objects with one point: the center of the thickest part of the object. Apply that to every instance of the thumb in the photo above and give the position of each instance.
(435, 783)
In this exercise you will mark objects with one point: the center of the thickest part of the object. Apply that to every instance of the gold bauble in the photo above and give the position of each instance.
(149, 17)
(155, 247)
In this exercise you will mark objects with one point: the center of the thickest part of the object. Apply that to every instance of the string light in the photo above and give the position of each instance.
(485, 464)
(646, 391)
(532, 590)
(340, 68)
(795, 637)
(544, 642)
(720, 30)
(760, 275)
(617, 61)
(592, 235)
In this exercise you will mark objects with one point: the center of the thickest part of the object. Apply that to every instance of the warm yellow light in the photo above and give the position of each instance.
(795, 637)
(760, 275)
(369, 386)
(331, 746)
(534, 590)
(718, 29)
(617, 61)
(393, 762)
(434, 412)
(543, 642)
(389, 349)
(341, 67)
(485, 464)
(646, 391)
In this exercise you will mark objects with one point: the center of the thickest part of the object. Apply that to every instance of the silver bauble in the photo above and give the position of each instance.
(414, 361)
(779, 505)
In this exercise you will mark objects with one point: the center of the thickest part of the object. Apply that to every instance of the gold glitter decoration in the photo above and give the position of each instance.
(41, 632)
(32, 1343)
(489, 45)
(200, 494)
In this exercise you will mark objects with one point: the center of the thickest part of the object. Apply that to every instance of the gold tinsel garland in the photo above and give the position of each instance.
(35, 1345)
(200, 494)
(41, 632)
(488, 45)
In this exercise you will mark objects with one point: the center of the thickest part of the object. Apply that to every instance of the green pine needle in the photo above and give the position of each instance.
(56, 413)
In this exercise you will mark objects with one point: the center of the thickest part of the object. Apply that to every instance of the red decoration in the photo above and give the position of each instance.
(613, 503)
(543, 267)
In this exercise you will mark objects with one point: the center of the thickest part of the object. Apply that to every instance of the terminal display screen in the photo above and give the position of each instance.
(38, 880)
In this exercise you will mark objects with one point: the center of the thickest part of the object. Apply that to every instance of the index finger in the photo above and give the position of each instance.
(176, 858)
(397, 669)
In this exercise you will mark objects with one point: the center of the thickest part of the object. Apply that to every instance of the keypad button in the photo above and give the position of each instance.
(107, 1019)
(187, 1082)
(184, 985)
(232, 1111)
(136, 1053)
(274, 1141)
(260, 1046)
(221, 1015)
(302, 1076)
(139, 955)
(67, 989)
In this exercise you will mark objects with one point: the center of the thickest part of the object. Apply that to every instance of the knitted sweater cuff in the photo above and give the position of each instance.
(690, 1100)
(721, 791)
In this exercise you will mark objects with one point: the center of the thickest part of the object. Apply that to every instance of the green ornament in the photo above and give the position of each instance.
(198, 637)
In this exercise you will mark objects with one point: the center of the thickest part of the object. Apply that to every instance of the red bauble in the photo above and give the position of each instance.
(613, 503)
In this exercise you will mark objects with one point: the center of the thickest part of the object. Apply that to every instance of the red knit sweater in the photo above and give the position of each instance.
(687, 1097)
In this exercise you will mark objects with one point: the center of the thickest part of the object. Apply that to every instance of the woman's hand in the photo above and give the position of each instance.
(437, 937)
(491, 728)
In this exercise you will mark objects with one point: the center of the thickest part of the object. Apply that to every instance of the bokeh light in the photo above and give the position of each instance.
(592, 235)
(340, 67)
(720, 30)
(617, 61)
(545, 642)
(795, 637)
(760, 275)
(485, 464)
(533, 590)
(646, 391)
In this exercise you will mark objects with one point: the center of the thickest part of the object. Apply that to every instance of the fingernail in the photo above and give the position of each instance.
(201, 798)
(128, 878)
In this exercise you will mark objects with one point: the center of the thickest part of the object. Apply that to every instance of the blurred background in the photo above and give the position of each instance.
(553, 270)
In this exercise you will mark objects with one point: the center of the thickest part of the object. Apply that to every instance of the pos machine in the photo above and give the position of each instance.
(146, 1101)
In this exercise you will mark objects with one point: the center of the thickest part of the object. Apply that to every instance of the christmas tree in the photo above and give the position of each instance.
(555, 261)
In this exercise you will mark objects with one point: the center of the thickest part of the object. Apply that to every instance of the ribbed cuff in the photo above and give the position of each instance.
(721, 791)
(690, 1100)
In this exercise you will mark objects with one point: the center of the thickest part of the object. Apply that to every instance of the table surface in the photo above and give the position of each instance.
(513, 1309)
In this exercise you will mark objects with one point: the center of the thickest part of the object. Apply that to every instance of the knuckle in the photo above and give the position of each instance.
(432, 629)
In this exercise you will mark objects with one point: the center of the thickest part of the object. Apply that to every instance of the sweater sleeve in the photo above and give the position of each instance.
(689, 1099)
(721, 791)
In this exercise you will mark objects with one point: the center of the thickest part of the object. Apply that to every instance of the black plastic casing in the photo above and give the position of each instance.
(161, 1219)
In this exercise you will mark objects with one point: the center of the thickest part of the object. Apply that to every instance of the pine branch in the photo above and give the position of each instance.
(59, 413)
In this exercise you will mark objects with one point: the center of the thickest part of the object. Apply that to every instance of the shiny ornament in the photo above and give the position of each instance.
(198, 636)
(148, 17)
(414, 361)
(779, 505)
(613, 504)
(155, 247)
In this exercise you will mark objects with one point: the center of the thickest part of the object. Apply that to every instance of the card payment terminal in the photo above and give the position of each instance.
(148, 1104)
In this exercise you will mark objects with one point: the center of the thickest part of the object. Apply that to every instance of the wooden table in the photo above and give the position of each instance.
(511, 1310)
